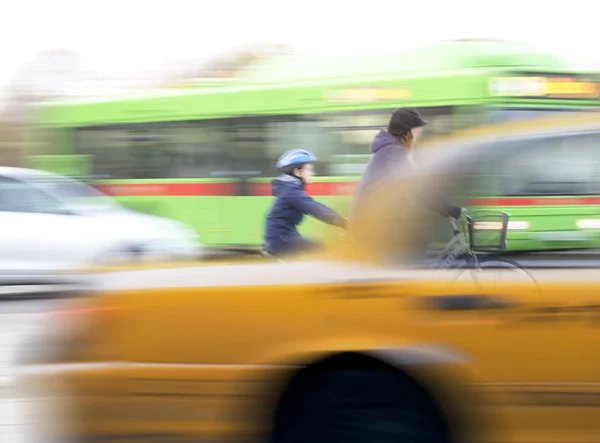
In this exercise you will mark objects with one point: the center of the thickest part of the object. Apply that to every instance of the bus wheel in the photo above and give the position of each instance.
(363, 405)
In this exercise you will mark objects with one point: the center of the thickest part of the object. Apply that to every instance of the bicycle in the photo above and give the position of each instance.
(486, 234)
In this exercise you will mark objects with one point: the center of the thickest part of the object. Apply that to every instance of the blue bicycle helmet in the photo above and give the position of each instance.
(295, 157)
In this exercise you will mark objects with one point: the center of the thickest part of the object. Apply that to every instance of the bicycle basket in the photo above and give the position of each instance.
(487, 231)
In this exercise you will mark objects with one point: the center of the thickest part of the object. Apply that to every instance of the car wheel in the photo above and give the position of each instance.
(363, 405)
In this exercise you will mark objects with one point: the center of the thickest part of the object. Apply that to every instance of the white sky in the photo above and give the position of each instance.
(129, 36)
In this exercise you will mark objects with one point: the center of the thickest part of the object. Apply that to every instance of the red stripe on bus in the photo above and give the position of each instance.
(315, 189)
(168, 189)
(527, 201)
(260, 189)
(216, 189)
(332, 188)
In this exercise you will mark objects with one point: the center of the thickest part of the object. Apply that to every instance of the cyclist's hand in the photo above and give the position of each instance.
(344, 224)
(455, 212)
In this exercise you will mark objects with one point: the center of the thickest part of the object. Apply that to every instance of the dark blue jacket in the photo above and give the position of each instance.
(390, 159)
(288, 210)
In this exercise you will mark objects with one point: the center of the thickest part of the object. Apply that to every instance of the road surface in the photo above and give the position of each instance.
(18, 319)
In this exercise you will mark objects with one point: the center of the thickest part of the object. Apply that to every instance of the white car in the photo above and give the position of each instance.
(50, 222)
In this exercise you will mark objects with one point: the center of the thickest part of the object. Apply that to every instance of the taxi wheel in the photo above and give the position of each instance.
(372, 406)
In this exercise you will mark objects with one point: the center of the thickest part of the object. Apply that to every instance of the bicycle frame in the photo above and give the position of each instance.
(447, 257)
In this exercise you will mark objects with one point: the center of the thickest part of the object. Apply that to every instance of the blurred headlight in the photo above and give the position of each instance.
(497, 226)
(487, 226)
(518, 225)
(589, 224)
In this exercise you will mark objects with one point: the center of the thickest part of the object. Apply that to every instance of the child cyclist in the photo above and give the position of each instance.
(292, 204)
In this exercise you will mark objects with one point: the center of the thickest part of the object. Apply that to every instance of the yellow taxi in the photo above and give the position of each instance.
(361, 344)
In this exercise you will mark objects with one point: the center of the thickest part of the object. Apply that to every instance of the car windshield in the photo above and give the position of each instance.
(75, 194)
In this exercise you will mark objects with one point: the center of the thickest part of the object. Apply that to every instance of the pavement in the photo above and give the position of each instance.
(18, 320)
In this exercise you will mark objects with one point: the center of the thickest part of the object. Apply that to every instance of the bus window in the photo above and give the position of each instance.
(248, 140)
(296, 132)
(566, 165)
(156, 150)
(246, 146)
(349, 149)
(440, 121)
(109, 150)
(349, 135)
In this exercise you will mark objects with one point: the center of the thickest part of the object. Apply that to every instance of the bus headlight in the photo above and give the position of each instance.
(518, 225)
(497, 226)
(589, 224)
(487, 226)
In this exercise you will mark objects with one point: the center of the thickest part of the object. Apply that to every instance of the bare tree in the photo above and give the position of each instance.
(226, 66)
(53, 74)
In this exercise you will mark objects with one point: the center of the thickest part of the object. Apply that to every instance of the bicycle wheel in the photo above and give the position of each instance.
(494, 272)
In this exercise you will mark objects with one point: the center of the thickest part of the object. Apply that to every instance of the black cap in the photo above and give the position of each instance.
(405, 119)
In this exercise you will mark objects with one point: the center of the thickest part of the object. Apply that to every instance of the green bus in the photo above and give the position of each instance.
(205, 156)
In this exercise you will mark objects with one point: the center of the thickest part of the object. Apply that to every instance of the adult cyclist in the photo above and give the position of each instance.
(292, 204)
(392, 149)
